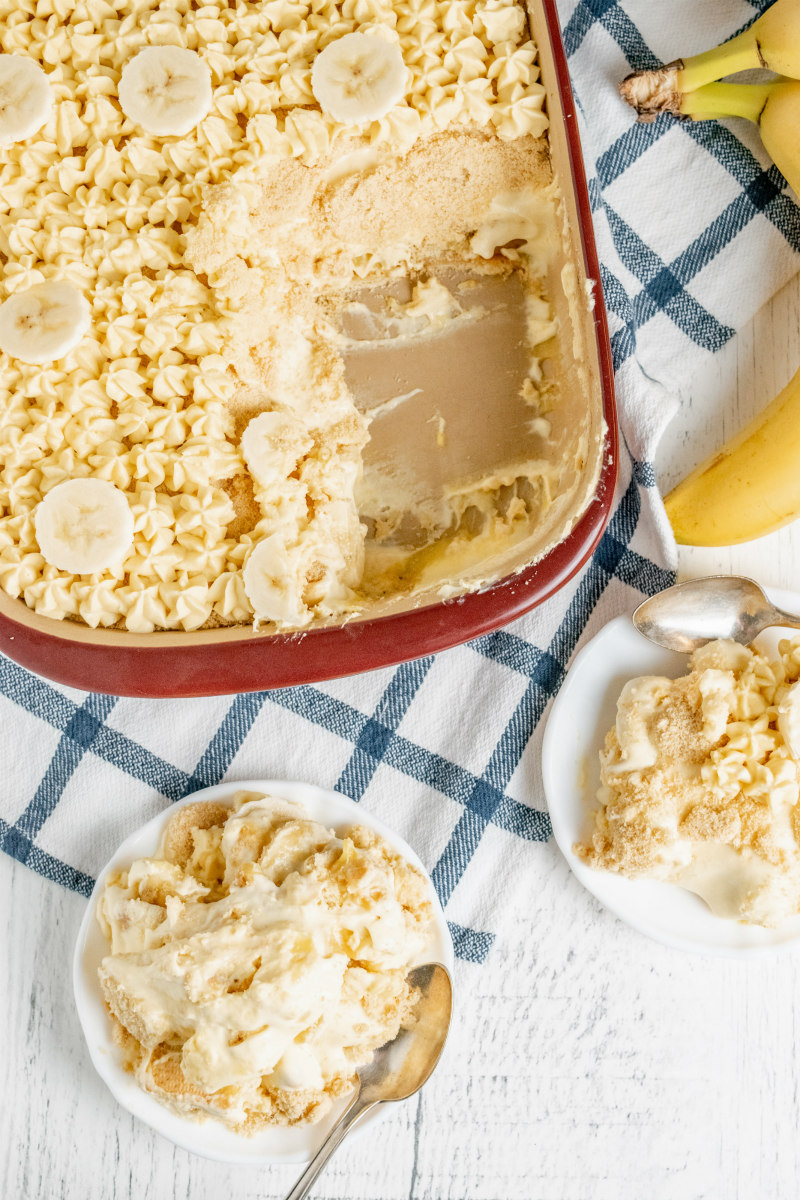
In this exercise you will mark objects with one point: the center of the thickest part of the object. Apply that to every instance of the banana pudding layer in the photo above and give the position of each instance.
(220, 226)
(258, 960)
(701, 779)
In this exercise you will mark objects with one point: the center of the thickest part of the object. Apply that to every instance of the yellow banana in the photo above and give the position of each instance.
(774, 107)
(780, 123)
(773, 41)
(748, 488)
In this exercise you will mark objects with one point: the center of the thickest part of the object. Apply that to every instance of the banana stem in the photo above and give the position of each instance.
(727, 100)
(742, 53)
(661, 90)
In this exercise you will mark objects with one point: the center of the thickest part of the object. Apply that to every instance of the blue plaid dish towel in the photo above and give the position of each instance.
(446, 749)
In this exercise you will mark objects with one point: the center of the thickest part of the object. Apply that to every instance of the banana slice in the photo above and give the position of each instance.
(358, 78)
(273, 444)
(166, 90)
(84, 526)
(44, 322)
(26, 98)
(273, 584)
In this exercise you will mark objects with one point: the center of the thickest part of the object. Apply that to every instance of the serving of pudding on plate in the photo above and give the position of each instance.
(292, 330)
(257, 959)
(701, 783)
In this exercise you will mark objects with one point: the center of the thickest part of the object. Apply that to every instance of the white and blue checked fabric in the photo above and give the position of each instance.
(695, 230)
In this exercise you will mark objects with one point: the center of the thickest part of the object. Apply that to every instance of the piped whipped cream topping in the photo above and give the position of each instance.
(90, 198)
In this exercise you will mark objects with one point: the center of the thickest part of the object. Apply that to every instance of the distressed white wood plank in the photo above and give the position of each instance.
(587, 1062)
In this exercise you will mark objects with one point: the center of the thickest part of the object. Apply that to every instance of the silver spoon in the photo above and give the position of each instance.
(689, 615)
(398, 1069)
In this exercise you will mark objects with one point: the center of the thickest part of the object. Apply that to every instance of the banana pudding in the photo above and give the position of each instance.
(253, 256)
(701, 780)
(258, 959)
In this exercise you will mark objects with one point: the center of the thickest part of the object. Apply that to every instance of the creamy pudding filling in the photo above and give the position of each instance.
(233, 285)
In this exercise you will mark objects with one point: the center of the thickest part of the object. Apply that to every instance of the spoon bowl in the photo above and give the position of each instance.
(689, 615)
(397, 1070)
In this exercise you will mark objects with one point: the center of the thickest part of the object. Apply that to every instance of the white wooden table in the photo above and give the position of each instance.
(644, 1074)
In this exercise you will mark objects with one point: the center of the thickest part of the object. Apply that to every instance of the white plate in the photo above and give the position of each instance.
(211, 1138)
(582, 714)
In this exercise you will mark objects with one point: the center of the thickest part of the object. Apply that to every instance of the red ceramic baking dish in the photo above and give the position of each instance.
(225, 660)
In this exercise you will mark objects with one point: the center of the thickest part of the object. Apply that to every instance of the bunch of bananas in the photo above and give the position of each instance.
(689, 88)
(752, 485)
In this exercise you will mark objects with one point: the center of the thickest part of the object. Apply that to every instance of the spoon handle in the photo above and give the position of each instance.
(353, 1113)
(791, 620)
